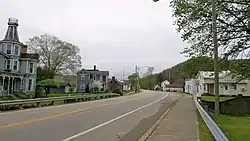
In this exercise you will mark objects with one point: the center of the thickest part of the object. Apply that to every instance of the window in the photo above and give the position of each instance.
(15, 65)
(91, 76)
(16, 50)
(82, 76)
(234, 86)
(226, 87)
(7, 64)
(31, 67)
(98, 77)
(82, 86)
(30, 84)
(94, 77)
(104, 78)
(8, 51)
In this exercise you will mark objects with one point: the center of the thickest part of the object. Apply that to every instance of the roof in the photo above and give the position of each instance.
(30, 55)
(210, 74)
(96, 72)
(65, 84)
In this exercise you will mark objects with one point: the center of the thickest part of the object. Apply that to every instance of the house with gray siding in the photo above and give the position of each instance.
(17, 67)
(86, 77)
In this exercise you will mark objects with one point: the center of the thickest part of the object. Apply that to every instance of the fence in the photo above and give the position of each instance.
(5, 105)
(212, 126)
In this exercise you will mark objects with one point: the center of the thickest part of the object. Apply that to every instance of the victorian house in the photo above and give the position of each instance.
(17, 67)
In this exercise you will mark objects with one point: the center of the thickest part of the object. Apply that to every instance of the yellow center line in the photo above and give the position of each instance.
(48, 117)
(14, 124)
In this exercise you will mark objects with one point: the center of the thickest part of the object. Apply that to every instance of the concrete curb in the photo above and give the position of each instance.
(150, 131)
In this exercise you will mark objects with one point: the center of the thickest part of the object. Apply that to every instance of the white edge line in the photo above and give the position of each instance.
(112, 120)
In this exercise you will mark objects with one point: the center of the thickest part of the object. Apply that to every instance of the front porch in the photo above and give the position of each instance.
(10, 85)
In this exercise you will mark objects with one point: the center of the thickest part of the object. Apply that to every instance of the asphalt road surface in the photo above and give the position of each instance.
(117, 119)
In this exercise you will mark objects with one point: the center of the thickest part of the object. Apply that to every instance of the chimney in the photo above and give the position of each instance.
(24, 49)
(94, 67)
(11, 34)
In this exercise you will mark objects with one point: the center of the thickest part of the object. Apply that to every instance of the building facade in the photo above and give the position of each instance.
(228, 85)
(191, 86)
(86, 77)
(17, 67)
(164, 85)
(115, 84)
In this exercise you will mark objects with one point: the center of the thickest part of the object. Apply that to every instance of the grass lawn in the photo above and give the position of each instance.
(204, 133)
(212, 98)
(5, 98)
(236, 128)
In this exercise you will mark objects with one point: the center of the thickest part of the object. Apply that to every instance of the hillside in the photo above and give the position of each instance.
(186, 69)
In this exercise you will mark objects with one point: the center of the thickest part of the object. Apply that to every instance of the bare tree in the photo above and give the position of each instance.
(56, 55)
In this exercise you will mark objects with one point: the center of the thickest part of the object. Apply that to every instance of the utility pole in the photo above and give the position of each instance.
(169, 78)
(123, 74)
(136, 81)
(216, 69)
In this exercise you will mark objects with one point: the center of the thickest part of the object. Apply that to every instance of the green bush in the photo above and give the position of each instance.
(117, 91)
(107, 91)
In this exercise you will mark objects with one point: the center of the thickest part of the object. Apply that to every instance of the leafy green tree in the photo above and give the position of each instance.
(159, 78)
(43, 73)
(194, 22)
(47, 84)
(56, 56)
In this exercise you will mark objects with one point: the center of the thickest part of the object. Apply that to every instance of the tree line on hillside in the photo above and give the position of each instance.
(189, 69)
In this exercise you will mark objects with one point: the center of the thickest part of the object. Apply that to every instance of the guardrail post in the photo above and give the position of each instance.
(20, 106)
(38, 104)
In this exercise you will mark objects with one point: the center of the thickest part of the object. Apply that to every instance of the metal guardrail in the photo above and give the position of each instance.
(212, 126)
(38, 100)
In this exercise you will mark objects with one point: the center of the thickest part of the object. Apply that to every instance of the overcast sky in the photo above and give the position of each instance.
(113, 34)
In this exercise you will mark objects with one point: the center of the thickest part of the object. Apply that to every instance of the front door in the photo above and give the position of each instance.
(210, 89)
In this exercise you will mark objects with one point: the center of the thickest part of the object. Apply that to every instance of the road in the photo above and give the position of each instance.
(124, 118)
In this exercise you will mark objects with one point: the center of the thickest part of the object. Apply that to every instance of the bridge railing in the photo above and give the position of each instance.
(212, 126)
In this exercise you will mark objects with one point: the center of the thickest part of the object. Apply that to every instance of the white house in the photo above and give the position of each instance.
(191, 86)
(164, 85)
(227, 84)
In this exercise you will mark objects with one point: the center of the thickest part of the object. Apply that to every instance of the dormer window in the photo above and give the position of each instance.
(8, 50)
(16, 50)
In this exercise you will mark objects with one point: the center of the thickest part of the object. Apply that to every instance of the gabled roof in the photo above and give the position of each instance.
(96, 72)
(65, 84)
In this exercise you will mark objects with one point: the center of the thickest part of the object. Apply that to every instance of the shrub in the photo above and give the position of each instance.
(117, 91)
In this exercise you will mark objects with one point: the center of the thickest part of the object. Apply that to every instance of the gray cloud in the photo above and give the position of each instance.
(113, 34)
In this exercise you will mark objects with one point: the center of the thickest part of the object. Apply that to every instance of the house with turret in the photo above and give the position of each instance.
(18, 68)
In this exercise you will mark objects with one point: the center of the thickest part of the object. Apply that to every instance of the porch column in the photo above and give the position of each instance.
(13, 83)
(21, 85)
(8, 86)
(2, 93)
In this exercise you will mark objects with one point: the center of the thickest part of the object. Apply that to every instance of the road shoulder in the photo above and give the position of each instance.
(180, 124)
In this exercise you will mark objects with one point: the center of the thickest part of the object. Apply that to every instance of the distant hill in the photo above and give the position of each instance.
(186, 69)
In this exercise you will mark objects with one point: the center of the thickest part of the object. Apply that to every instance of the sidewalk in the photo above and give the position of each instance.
(180, 124)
